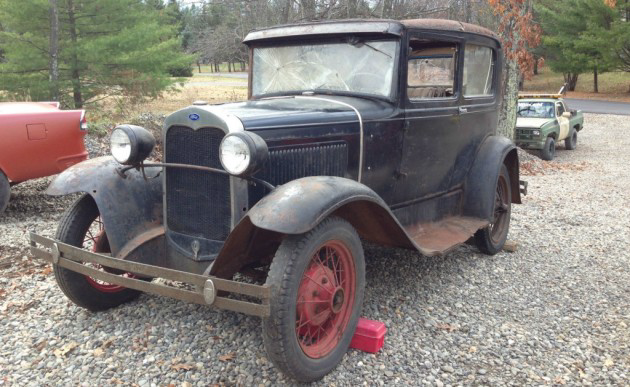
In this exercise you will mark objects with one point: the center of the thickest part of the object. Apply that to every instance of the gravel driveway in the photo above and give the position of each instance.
(556, 311)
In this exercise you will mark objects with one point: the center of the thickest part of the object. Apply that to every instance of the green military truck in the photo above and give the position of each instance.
(543, 120)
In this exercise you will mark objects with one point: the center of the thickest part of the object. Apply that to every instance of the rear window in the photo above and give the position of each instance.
(478, 71)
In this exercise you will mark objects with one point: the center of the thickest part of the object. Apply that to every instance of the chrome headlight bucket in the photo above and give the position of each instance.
(243, 153)
(131, 144)
(536, 132)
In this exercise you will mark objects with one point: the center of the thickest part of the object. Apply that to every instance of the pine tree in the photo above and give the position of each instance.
(574, 40)
(106, 47)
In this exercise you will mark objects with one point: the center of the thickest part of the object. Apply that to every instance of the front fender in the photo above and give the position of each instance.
(297, 207)
(128, 206)
(482, 178)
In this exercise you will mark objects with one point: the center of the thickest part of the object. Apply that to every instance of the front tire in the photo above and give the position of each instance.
(80, 226)
(5, 192)
(570, 143)
(490, 239)
(549, 150)
(317, 284)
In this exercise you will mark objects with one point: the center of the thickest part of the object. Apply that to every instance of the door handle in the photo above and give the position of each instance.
(463, 110)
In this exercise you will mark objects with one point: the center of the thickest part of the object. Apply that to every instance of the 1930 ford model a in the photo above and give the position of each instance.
(380, 130)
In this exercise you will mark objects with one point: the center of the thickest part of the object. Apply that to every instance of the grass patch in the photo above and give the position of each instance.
(615, 83)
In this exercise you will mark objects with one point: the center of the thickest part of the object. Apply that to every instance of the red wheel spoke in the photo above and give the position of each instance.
(318, 284)
(324, 267)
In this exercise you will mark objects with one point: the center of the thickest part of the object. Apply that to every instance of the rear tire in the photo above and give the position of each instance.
(76, 224)
(5, 192)
(490, 239)
(570, 143)
(317, 283)
(549, 150)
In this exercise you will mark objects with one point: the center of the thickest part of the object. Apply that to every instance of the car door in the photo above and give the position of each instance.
(563, 122)
(478, 110)
(431, 118)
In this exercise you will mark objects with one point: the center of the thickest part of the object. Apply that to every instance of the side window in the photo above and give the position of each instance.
(560, 109)
(478, 71)
(431, 70)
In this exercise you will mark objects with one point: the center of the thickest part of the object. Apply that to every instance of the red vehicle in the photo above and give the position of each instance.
(36, 140)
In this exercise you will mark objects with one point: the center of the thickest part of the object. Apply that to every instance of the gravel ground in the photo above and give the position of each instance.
(556, 311)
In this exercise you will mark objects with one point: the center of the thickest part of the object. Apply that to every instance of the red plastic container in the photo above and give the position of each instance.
(369, 336)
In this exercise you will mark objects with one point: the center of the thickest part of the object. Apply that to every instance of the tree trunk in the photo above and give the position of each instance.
(284, 19)
(507, 110)
(571, 80)
(595, 86)
(53, 75)
(199, 66)
(351, 9)
(75, 75)
(536, 65)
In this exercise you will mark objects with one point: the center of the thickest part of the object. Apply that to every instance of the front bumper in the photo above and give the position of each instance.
(529, 144)
(210, 290)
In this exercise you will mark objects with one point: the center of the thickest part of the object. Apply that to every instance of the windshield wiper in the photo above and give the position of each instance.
(356, 42)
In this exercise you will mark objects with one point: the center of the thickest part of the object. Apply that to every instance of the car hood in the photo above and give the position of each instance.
(274, 113)
(528, 122)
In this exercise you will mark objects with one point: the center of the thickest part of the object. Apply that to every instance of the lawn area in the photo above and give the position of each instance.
(613, 85)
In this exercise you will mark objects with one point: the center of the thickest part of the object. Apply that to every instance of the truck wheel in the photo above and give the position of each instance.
(571, 142)
(549, 150)
(490, 239)
(81, 226)
(317, 283)
(5, 192)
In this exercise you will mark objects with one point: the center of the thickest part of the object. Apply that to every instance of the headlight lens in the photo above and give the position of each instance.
(235, 155)
(243, 153)
(131, 144)
(536, 132)
(120, 145)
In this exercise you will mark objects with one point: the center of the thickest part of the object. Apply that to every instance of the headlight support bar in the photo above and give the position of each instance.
(141, 166)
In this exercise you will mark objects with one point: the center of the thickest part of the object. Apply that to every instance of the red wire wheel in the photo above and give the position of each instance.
(81, 226)
(96, 241)
(325, 299)
(317, 283)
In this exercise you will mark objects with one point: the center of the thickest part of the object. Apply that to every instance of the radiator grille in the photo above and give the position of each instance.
(197, 202)
(526, 134)
(286, 164)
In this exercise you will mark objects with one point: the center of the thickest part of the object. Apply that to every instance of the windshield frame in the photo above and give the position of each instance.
(392, 97)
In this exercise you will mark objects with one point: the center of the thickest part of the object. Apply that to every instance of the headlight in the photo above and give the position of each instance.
(131, 144)
(242, 153)
(536, 132)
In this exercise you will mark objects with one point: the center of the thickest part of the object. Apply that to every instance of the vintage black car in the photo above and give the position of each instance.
(378, 130)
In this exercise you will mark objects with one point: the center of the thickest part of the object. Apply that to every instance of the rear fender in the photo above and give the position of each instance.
(296, 208)
(130, 206)
(482, 178)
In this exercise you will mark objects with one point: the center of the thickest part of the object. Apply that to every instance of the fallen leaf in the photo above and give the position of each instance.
(66, 349)
(608, 363)
(559, 380)
(182, 366)
(229, 357)
(41, 345)
(98, 352)
(46, 271)
(472, 349)
(107, 343)
(446, 327)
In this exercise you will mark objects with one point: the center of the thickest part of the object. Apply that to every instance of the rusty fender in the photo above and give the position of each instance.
(130, 206)
(480, 186)
(296, 208)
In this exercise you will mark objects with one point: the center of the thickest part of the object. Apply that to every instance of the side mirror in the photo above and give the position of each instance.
(566, 114)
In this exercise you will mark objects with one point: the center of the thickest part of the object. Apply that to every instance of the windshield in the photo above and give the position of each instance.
(356, 66)
(535, 109)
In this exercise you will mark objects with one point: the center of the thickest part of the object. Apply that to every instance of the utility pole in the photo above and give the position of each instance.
(53, 74)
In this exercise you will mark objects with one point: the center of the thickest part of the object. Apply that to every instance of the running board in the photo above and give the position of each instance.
(441, 237)
(73, 258)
